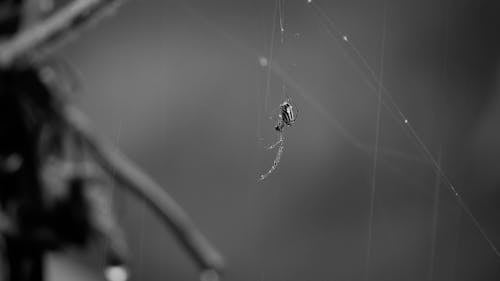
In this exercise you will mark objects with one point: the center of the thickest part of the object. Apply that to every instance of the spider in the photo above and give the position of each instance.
(286, 118)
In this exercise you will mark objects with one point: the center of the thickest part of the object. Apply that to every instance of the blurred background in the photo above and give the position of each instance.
(182, 88)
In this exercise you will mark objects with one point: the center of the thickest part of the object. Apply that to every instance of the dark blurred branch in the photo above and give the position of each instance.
(39, 41)
(45, 37)
(129, 175)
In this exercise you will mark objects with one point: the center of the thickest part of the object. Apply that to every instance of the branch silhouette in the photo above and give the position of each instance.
(34, 44)
(44, 38)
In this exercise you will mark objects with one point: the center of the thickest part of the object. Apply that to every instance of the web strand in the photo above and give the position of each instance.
(404, 123)
(270, 61)
(282, 31)
(281, 8)
(375, 149)
(437, 187)
(435, 217)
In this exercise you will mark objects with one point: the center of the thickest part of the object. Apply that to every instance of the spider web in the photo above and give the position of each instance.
(386, 101)
(310, 219)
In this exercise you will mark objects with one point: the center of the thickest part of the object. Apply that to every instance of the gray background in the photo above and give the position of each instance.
(177, 86)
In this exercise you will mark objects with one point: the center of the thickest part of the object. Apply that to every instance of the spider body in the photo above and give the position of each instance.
(286, 117)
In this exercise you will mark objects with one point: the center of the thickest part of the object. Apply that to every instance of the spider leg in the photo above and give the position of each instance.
(278, 142)
(276, 161)
(273, 146)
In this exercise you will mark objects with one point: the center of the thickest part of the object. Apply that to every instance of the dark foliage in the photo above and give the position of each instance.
(47, 188)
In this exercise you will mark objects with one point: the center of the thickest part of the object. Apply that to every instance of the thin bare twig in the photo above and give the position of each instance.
(129, 175)
(44, 38)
